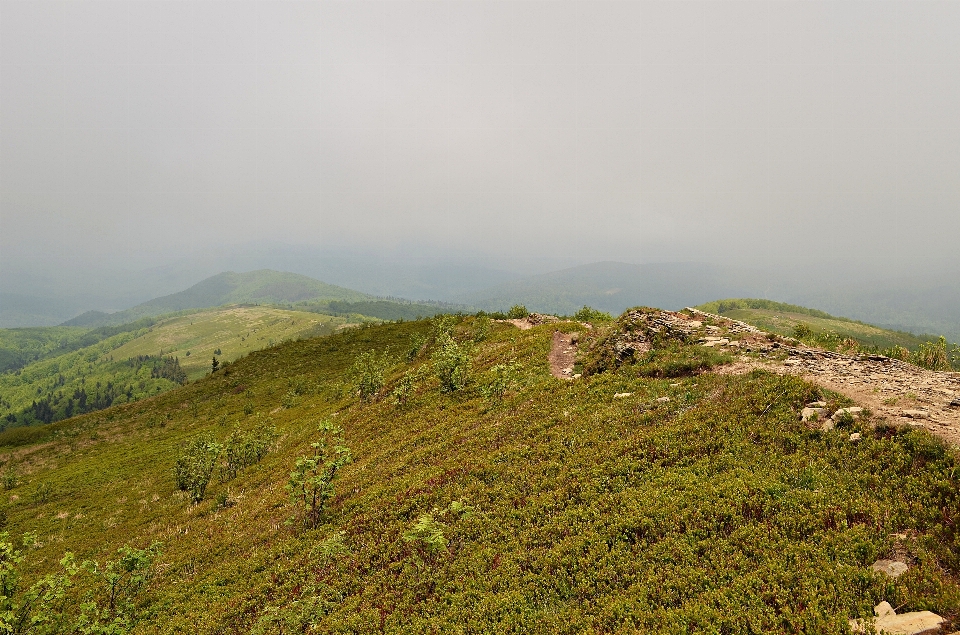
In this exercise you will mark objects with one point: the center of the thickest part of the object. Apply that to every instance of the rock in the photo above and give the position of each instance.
(891, 568)
(811, 414)
(621, 395)
(853, 411)
(916, 414)
(791, 362)
(855, 437)
(888, 622)
(577, 376)
(695, 323)
(884, 609)
(817, 404)
(955, 403)
(828, 425)
(674, 385)
(663, 399)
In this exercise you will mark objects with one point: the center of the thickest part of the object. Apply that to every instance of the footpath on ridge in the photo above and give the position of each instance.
(894, 390)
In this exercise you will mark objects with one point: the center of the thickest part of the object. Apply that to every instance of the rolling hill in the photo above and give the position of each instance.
(142, 360)
(254, 287)
(644, 499)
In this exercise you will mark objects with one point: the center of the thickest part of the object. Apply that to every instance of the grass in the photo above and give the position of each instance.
(234, 330)
(783, 319)
(558, 509)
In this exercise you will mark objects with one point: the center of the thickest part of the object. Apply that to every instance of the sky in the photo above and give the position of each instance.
(762, 133)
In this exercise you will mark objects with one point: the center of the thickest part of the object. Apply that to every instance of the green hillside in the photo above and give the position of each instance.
(254, 287)
(130, 362)
(778, 317)
(485, 496)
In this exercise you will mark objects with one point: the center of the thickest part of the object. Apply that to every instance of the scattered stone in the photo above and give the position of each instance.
(916, 414)
(828, 425)
(791, 362)
(853, 411)
(577, 376)
(890, 568)
(955, 403)
(695, 323)
(663, 399)
(621, 395)
(674, 385)
(855, 437)
(811, 414)
(817, 404)
(916, 623)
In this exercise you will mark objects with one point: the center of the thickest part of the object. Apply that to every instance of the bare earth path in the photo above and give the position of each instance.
(563, 353)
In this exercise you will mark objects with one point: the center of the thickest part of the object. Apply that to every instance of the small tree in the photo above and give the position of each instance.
(121, 583)
(503, 378)
(215, 365)
(451, 363)
(195, 465)
(311, 482)
(369, 369)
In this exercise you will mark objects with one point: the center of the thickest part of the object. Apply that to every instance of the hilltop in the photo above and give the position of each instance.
(255, 287)
(783, 319)
(650, 494)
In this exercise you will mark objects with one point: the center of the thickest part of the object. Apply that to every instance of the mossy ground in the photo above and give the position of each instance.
(717, 511)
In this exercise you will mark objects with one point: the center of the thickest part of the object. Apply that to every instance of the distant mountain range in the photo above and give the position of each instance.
(923, 305)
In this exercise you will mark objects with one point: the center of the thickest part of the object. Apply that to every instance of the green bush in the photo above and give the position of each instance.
(588, 314)
(243, 449)
(405, 388)
(481, 328)
(107, 604)
(10, 478)
(502, 378)
(194, 466)
(517, 312)
(311, 483)
(451, 363)
(933, 355)
(369, 370)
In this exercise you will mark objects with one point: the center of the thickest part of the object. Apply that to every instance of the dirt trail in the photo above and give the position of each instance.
(563, 353)
(900, 392)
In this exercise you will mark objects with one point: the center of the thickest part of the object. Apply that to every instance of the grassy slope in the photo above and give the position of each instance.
(782, 318)
(715, 512)
(264, 286)
(236, 331)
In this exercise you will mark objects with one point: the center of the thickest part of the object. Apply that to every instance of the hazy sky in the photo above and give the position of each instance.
(628, 130)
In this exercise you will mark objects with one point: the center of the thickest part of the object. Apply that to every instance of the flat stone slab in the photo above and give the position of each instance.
(891, 568)
(621, 395)
(916, 414)
(889, 622)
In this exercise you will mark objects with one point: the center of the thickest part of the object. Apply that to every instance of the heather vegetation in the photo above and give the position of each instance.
(474, 492)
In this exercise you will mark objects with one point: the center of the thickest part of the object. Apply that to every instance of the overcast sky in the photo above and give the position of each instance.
(628, 130)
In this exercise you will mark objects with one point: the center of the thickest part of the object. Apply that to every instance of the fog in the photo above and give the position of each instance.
(520, 136)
